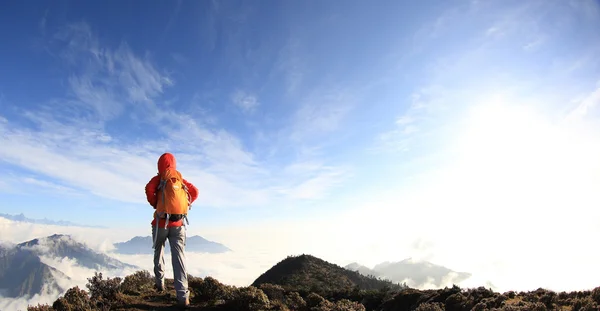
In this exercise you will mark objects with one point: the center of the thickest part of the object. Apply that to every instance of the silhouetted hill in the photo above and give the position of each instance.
(415, 273)
(62, 246)
(22, 273)
(143, 245)
(307, 273)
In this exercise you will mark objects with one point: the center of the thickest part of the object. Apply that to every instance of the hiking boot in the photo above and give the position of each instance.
(184, 303)
(159, 288)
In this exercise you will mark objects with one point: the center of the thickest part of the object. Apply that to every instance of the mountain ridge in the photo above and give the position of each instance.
(143, 245)
(61, 245)
(22, 218)
(416, 273)
(23, 272)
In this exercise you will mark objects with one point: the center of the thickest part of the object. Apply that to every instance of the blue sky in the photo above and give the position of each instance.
(431, 126)
(275, 110)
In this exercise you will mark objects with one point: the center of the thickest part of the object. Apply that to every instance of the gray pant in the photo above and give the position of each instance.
(176, 237)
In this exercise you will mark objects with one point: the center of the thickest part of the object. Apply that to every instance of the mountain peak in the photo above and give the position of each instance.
(415, 272)
(63, 245)
(310, 273)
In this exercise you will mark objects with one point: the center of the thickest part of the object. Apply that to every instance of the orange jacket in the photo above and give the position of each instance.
(165, 161)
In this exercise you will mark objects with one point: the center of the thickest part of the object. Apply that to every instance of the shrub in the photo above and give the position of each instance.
(563, 295)
(210, 290)
(294, 301)
(538, 306)
(103, 291)
(480, 307)
(480, 293)
(40, 307)
(347, 305)
(73, 299)
(61, 304)
(456, 302)
(548, 299)
(512, 308)
(596, 295)
(137, 283)
(194, 284)
(430, 306)
(249, 299)
(584, 304)
(274, 292)
(499, 301)
(279, 306)
(313, 300)
(324, 305)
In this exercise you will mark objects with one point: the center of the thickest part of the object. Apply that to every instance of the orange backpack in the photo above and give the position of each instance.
(172, 194)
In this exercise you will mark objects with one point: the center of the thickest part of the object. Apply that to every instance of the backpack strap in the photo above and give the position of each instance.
(161, 187)
(189, 197)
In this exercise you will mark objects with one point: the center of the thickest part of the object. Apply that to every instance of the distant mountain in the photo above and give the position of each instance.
(62, 246)
(23, 274)
(364, 270)
(45, 221)
(311, 274)
(415, 273)
(143, 245)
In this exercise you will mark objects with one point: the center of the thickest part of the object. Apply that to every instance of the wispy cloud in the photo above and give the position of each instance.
(322, 112)
(585, 106)
(424, 106)
(317, 179)
(106, 80)
(51, 187)
(107, 84)
(244, 101)
(291, 64)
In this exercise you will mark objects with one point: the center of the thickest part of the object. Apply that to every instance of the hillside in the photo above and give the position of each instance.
(22, 274)
(135, 292)
(62, 246)
(307, 273)
(143, 245)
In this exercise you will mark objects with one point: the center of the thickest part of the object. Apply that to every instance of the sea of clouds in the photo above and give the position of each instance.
(501, 260)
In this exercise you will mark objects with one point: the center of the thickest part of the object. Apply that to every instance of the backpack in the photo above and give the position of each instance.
(172, 194)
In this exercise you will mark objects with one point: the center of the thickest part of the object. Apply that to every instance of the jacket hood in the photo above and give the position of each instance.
(165, 161)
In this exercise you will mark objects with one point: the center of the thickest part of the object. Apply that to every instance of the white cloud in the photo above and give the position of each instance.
(70, 136)
(424, 104)
(106, 80)
(509, 174)
(534, 44)
(585, 106)
(317, 187)
(9, 304)
(246, 102)
(50, 186)
(321, 112)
